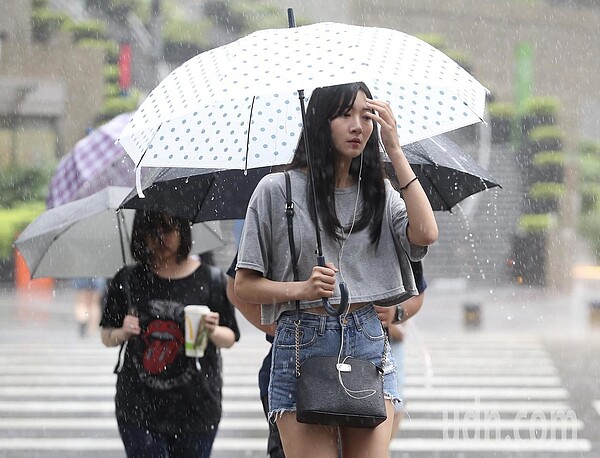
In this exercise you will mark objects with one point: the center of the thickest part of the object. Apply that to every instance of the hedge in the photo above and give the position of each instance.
(535, 223)
(541, 106)
(546, 158)
(548, 132)
(14, 220)
(502, 110)
(546, 190)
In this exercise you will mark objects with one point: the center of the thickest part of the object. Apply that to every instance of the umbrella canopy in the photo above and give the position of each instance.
(95, 162)
(88, 237)
(447, 173)
(236, 106)
(199, 194)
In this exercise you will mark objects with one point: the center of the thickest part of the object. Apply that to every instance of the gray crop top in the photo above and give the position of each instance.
(381, 275)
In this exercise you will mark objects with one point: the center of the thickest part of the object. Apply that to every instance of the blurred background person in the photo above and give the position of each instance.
(167, 405)
(88, 295)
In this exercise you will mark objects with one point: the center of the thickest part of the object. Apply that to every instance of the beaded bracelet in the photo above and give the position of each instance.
(408, 184)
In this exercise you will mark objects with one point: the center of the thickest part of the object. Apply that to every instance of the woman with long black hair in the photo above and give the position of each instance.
(370, 231)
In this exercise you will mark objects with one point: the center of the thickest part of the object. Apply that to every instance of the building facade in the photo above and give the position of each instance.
(50, 91)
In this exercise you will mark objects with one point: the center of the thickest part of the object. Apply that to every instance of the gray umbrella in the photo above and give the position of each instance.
(88, 237)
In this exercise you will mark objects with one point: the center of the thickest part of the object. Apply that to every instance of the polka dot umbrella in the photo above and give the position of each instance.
(237, 107)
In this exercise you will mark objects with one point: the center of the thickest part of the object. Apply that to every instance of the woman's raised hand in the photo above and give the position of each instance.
(384, 116)
(131, 326)
(211, 321)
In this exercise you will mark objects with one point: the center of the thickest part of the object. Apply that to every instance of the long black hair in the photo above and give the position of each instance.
(326, 104)
(148, 223)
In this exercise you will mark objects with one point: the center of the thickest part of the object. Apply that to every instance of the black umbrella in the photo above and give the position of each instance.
(447, 173)
(198, 194)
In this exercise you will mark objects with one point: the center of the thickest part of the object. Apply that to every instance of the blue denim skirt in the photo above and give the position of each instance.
(321, 335)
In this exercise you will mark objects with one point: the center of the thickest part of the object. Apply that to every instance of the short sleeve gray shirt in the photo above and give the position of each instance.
(380, 274)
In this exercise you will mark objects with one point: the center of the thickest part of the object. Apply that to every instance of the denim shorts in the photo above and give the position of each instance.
(321, 335)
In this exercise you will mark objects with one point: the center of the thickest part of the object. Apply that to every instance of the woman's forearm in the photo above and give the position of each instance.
(252, 287)
(250, 311)
(422, 227)
(222, 337)
(112, 337)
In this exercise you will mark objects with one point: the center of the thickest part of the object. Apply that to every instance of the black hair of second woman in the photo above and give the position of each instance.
(145, 223)
(325, 104)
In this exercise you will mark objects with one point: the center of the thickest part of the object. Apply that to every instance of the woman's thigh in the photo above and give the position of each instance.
(302, 440)
(369, 442)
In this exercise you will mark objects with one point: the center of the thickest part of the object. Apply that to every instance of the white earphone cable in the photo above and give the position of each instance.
(356, 394)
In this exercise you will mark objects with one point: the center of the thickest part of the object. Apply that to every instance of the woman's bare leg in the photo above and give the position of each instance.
(369, 442)
(302, 440)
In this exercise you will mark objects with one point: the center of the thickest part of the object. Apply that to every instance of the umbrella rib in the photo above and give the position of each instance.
(120, 222)
(438, 145)
(475, 112)
(437, 189)
(199, 207)
(138, 184)
(248, 136)
(54, 239)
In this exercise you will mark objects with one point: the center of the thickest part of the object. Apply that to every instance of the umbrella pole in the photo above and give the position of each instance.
(331, 310)
(121, 226)
(130, 309)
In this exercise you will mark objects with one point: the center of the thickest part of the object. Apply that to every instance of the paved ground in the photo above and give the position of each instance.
(523, 383)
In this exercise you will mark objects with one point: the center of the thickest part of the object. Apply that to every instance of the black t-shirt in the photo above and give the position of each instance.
(158, 387)
(417, 268)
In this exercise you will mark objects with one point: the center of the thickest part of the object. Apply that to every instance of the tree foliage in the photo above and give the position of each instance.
(589, 177)
(20, 184)
(241, 18)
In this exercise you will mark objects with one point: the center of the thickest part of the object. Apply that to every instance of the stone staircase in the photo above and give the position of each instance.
(475, 239)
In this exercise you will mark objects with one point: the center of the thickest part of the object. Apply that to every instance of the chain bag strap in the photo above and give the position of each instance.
(326, 387)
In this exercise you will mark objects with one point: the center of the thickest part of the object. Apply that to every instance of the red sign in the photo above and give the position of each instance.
(124, 67)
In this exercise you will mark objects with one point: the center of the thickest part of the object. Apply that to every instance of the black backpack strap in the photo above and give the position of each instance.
(131, 310)
(289, 213)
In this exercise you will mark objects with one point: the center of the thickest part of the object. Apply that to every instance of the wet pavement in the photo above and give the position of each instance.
(511, 372)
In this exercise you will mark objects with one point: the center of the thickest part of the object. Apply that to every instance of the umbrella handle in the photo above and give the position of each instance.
(339, 309)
